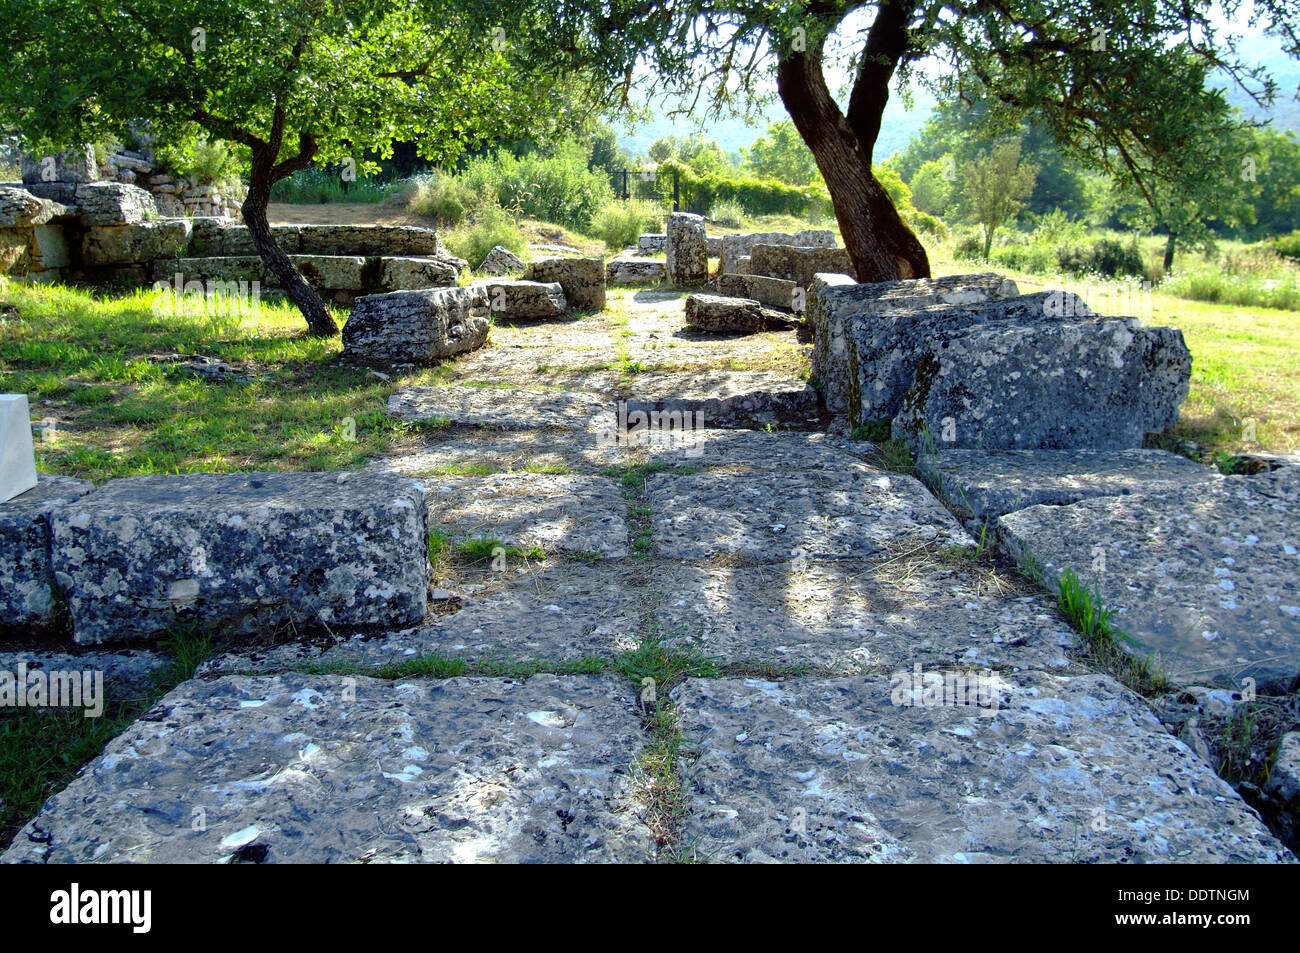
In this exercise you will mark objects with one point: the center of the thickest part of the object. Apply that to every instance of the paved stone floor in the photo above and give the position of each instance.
(842, 674)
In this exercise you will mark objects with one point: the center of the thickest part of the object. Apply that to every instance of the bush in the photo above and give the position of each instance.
(321, 186)
(492, 226)
(556, 188)
(439, 196)
(728, 215)
(702, 192)
(1105, 256)
(1288, 246)
(969, 246)
(620, 224)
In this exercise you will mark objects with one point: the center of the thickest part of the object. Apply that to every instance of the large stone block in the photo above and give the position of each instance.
(652, 243)
(27, 595)
(75, 164)
(720, 314)
(634, 270)
(1101, 384)
(396, 240)
(243, 552)
(416, 327)
(885, 351)
(583, 279)
(836, 301)
(413, 274)
(114, 203)
(733, 247)
(525, 300)
(333, 272)
(501, 261)
(17, 461)
(20, 208)
(688, 252)
(134, 244)
(774, 292)
(796, 264)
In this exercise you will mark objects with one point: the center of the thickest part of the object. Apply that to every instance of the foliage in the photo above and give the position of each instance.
(488, 225)
(555, 187)
(700, 193)
(995, 185)
(932, 186)
(781, 154)
(619, 224)
(1287, 246)
(703, 156)
(318, 186)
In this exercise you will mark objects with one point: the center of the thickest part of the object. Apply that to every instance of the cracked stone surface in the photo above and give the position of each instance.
(983, 484)
(498, 407)
(559, 513)
(857, 512)
(780, 450)
(817, 770)
(1207, 577)
(854, 616)
(318, 769)
(737, 398)
(509, 450)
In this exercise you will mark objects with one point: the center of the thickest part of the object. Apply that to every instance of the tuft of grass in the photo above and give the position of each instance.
(876, 431)
(893, 455)
(1084, 609)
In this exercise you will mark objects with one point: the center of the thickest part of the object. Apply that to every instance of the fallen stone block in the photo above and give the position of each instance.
(243, 552)
(501, 261)
(687, 259)
(734, 247)
(879, 769)
(835, 302)
(1068, 384)
(773, 292)
(583, 279)
(631, 270)
(793, 263)
(416, 327)
(414, 274)
(20, 208)
(709, 398)
(325, 769)
(885, 351)
(719, 314)
(132, 244)
(114, 203)
(1203, 576)
(652, 243)
(981, 485)
(525, 300)
(27, 594)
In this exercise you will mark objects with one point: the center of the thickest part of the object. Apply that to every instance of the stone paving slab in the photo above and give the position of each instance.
(755, 450)
(556, 612)
(727, 398)
(857, 512)
(509, 408)
(508, 450)
(983, 484)
(316, 769)
(558, 512)
(852, 616)
(1206, 576)
(1065, 770)
(125, 674)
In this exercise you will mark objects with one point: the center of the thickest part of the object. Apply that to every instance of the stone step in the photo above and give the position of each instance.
(752, 399)
(1203, 575)
(343, 277)
(507, 408)
(317, 769)
(840, 770)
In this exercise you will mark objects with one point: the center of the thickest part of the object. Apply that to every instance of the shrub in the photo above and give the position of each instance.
(320, 186)
(1288, 246)
(438, 196)
(491, 226)
(1105, 256)
(557, 188)
(728, 214)
(969, 246)
(702, 192)
(620, 224)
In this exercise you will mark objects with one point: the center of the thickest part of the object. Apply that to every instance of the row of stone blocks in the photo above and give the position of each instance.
(242, 553)
(967, 361)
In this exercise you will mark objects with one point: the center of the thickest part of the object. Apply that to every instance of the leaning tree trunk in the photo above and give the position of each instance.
(1169, 251)
(319, 321)
(877, 239)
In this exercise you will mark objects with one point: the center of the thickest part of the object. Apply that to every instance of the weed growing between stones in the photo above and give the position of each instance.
(1084, 610)
(875, 431)
(894, 456)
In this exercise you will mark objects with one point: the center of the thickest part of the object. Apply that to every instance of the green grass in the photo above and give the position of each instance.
(83, 360)
(1084, 609)
(41, 750)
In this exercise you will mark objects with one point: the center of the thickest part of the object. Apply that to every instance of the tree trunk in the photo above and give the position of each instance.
(1169, 251)
(988, 241)
(319, 321)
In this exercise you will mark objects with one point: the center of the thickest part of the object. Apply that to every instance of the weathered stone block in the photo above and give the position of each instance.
(796, 264)
(75, 164)
(26, 583)
(733, 247)
(652, 243)
(132, 244)
(396, 240)
(720, 314)
(19, 208)
(688, 253)
(632, 270)
(416, 327)
(114, 203)
(333, 272)
(774, 292)
(525, 300)
(501, 261)
(17, 461)
(413, 274)
(1101, 384)
(583, 279)
(244, 552)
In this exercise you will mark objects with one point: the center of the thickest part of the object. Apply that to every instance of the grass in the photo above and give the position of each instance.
(106, 410)
(1094, 621)
(41, 750)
